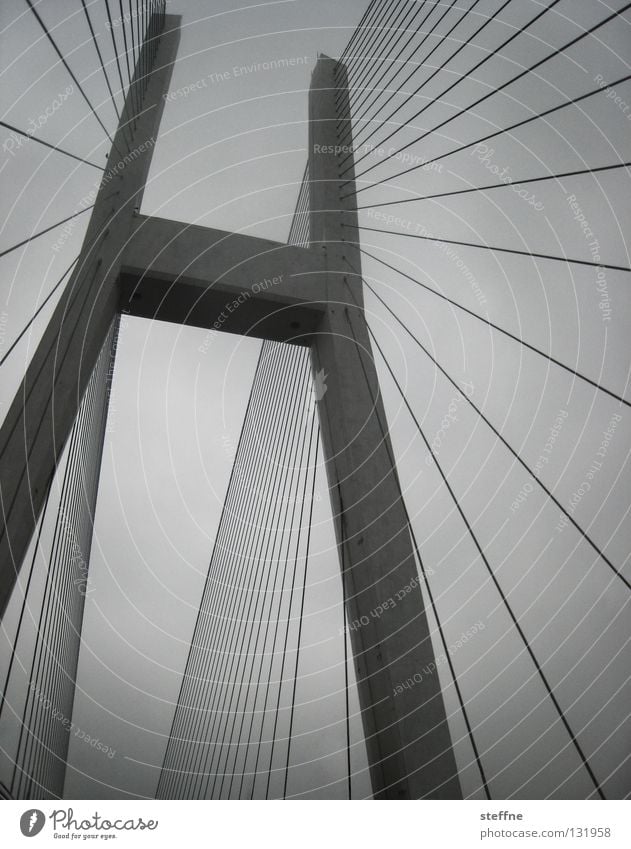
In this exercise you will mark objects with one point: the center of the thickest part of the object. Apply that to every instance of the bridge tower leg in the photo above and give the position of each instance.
(38, 423)
(408, 741)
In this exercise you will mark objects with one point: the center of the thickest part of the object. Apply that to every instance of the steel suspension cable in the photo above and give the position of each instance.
(557, 52)
(436, 23)
(519, 181)
(471, 71)
(42, 636)
(140, 7)
(265, 556)
(258, 548)
(360, 27)
(300, 617)
(100, 55)
(139, 58)
(298, 444)
(383, 39)
(384, 430)
(70, 72)
(507, 333)
(25, 595)
(493, 248)
(80, 540)
(360, 117)
(217, 641)
(73, 554)
(347, 710)
(300, 216)
(274, 564)
(243, 636)
(408, 26)
(57, 642)
(196, 670)
(126, 50)
(45, 230)
(222, 563)
(73, 298)
(240, 630)
(134, 40)
(294, 487)
(49, 145)
(372, 32)
(436, 71)
(224, 511)
(37, 311)
(492, 135)
(133, 56)
(265, 559)
(115, 47)
(498, 587)
(276, 710)
(268, 555)
(515, 454)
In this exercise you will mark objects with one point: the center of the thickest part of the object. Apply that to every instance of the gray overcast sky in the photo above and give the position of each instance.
(230, 155)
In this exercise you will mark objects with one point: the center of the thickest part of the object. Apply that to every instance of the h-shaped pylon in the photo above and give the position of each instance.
(311, 296)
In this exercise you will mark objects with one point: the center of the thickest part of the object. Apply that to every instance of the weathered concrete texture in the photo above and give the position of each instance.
(408, 741)
(227, 281)
(38, 423)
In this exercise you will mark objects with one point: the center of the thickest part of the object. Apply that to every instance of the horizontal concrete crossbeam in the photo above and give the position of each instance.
(225, 281)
